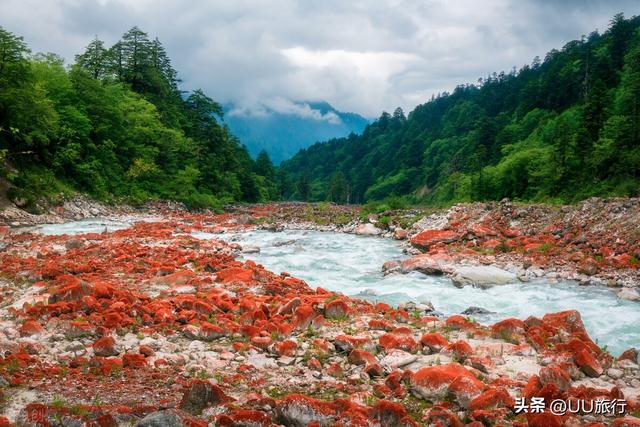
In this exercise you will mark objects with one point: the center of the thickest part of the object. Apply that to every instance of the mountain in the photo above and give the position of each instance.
(561, 129)
(283, 127)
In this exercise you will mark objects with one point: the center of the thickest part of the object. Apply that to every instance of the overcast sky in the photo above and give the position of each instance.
(361, 56)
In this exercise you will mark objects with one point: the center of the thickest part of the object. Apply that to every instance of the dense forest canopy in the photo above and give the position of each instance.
(561, 129)
(116, 125)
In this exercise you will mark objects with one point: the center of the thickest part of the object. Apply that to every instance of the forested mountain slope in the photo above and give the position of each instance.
(563, 128)
(282, 133)
(116, 125)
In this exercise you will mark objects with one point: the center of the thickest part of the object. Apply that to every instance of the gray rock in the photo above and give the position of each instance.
(484, 276)
(161, 419)
(249, 249)
(475, 310)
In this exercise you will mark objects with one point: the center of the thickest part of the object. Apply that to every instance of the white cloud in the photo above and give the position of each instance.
(360, 56)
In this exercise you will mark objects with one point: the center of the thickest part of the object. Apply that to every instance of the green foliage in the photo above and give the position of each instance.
(558, 130)
(115, 125)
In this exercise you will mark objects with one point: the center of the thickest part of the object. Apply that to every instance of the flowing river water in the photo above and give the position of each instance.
(352, 265)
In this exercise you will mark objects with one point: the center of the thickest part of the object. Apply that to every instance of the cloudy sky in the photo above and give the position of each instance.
(361, 56)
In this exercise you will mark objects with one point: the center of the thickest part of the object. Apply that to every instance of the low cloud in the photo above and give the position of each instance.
(359, 56)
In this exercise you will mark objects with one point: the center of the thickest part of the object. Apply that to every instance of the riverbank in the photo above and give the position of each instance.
(157, 326)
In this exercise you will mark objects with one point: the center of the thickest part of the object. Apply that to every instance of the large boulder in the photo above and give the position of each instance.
(161, 419)
(367, 229)
(427, 238)
(483, 276)
(299, 411)
(436, 383)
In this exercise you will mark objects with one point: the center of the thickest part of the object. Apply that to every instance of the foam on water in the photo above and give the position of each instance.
(82, 226)
(352, 265)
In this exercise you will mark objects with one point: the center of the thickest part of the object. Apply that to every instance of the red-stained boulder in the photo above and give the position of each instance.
(286, 348)
(435, 383)
(544, 419)
(30, 327)
(554, 374)
(589, 364)
(431, 237)
(134, 360)
(403, 342)
(434, 341)
(441, 416)
(628, 421)
(300, 411)
(105, 347)
(336, 309)
(201, 394)
(630, 354)
(304, 315)
(390, 414)
(361, 357)
(460, 350)
(508, 329)
(492, 399)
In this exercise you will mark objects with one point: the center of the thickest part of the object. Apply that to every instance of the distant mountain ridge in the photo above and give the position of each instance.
(283, 127)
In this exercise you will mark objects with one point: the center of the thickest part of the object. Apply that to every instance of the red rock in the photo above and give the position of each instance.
(235, 274)
(508, 329)
(389, 414)
(105, 347)
(361, 357)
(304, 315)
(544, 419)
(335, 370)
(381, 325)
(30, 327)
(336, 309)
(492, 399)
(628, 421)
(554, 374)
(392, 341)
(431, 237)
(630, 354)
(176, 279)
(314, 364)
(442, 417)
(210, 332)
(290, 306)
(460, 349)
(434, 341)
(588, 363)
(347, 343)
(374, 370)
(201, 394)
(458, 322)
(286, 348)
(435, 383)
(261, 342)
(146, 350)
(300, 410)
(133, 360)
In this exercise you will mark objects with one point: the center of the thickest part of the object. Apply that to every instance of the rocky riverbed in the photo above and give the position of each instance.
(150, 325)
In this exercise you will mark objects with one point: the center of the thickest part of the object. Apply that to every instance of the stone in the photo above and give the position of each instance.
(367, 229)
(298, 410)
(427, 238)
(473, 310)
(435, 383)
(161, 419)
(629, 294)
(201, 394)
(105, 347)
(484, 276)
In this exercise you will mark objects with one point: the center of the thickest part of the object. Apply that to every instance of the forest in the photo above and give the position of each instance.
(117, 126)
(558, 130)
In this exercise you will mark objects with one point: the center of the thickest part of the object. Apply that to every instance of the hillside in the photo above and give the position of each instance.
(282, 132)
(561, 129)
(116, 125)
